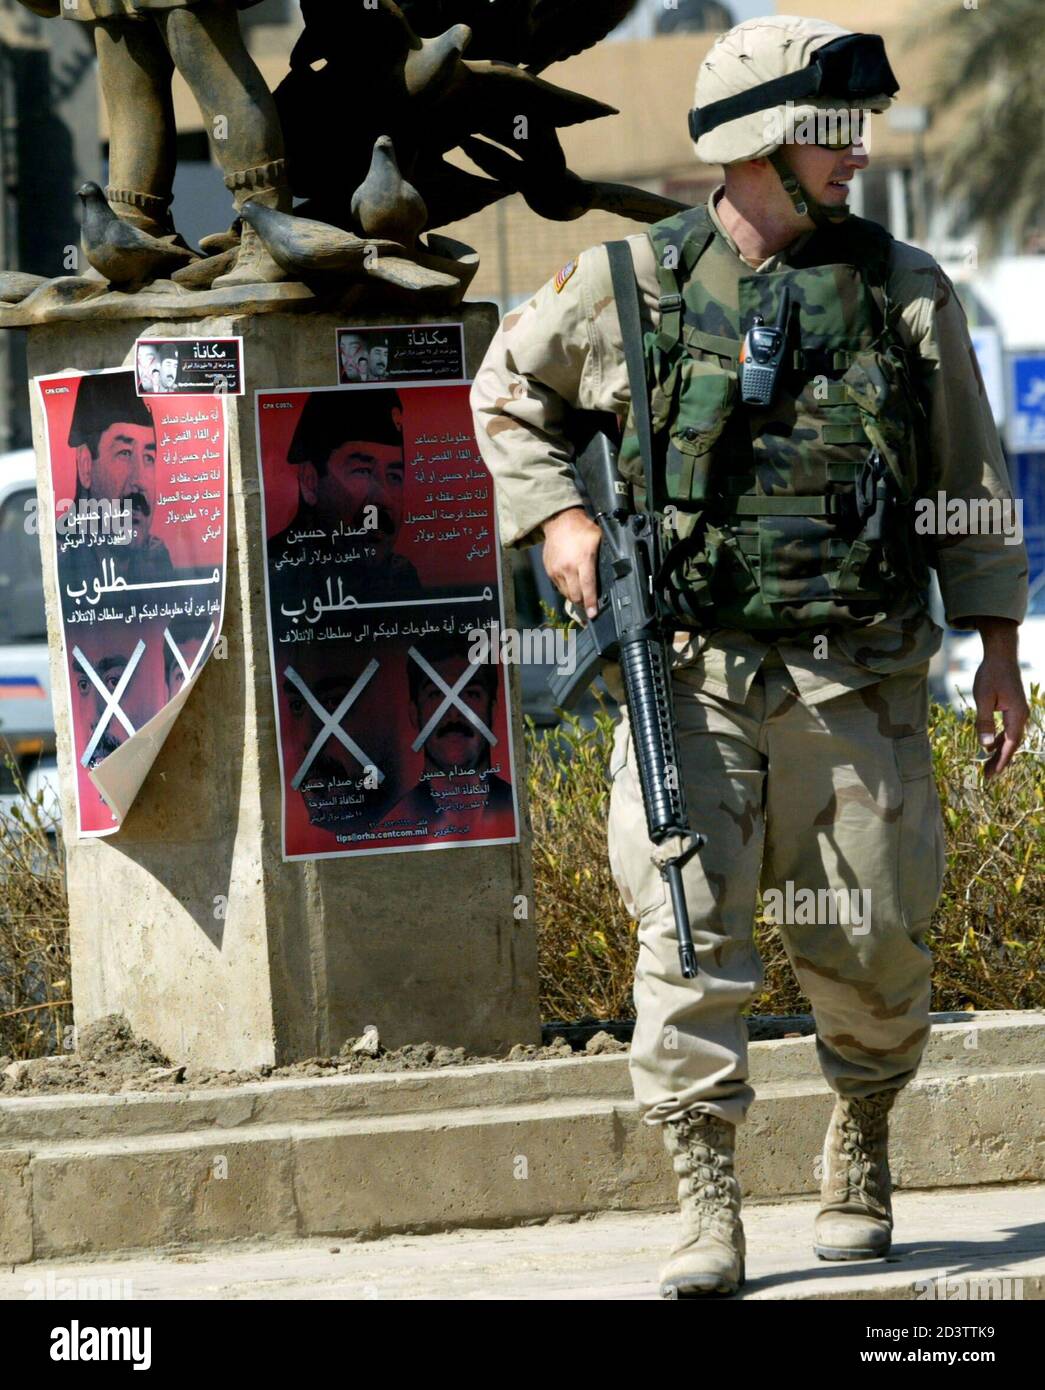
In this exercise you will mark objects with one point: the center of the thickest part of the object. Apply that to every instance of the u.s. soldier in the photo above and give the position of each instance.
(800, 584)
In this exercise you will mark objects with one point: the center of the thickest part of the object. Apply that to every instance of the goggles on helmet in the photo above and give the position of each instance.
(850, 68)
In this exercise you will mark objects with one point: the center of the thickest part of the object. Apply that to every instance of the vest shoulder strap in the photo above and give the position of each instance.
(856, 241)
(870, 246)
(678, 243)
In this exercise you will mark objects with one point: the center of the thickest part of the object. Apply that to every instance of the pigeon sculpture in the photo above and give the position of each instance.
(535, 33)
(121, 252)
(385, 204)
(303, 247)
(321, 255)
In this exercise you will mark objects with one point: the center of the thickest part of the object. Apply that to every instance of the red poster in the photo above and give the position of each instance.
(139, 514)
(381, 561)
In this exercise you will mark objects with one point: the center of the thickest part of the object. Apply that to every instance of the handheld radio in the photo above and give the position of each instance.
(762, 355)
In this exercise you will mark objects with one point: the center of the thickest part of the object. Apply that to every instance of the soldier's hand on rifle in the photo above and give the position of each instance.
(571, 547)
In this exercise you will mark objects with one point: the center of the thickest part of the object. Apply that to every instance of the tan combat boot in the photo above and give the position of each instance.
(855, 1221)
(254, 265)
(710, 1257)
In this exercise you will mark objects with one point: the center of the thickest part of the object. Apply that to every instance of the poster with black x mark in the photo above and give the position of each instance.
(381, 565)
(138, 515)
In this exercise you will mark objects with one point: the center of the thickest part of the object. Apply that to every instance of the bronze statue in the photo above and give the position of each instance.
(376, 96)
(139, 44)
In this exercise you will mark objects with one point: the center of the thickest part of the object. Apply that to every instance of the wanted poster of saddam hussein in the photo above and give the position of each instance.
(139, 492)
(382, 559)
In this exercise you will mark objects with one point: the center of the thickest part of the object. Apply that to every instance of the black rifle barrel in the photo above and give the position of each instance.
(646, 686)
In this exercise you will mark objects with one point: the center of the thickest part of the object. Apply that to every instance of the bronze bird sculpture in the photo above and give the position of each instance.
(385, 204)
(325, 256)
(397, 89)
(302, 246)
(123, 253)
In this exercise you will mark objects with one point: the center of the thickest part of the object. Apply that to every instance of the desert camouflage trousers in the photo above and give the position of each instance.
(834, 807)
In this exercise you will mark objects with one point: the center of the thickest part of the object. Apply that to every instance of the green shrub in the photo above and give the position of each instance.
(988, 933)
(35, 997)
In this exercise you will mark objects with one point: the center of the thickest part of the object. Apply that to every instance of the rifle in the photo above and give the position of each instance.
(629, 629)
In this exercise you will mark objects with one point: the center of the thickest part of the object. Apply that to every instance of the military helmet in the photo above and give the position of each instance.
(767, 75)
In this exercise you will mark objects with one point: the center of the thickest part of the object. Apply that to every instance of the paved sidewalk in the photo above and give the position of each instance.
(971, 1234)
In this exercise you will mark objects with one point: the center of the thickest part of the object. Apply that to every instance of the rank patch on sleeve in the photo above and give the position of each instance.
(563, 275)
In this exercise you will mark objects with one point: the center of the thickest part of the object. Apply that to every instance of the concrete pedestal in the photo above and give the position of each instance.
(188, 921)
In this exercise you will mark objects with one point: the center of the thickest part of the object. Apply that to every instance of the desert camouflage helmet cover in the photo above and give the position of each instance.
(760, 51)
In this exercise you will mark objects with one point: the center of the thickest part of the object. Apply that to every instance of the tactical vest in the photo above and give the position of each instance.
(798, 515)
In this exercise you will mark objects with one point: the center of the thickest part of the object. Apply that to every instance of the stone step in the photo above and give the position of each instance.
(494, 1146)
(987, 1042)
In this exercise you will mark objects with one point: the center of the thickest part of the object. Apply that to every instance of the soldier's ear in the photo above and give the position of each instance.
(308, 482)
(83, 466)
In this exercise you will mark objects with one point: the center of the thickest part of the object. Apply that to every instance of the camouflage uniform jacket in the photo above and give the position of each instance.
(563, 348)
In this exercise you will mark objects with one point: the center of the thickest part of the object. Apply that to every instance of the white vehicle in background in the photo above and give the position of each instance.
(965, 650)
(27, 742)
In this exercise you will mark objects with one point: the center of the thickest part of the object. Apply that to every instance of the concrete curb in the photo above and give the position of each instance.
(989, 1042)
(981, 1245)
(477, 1146)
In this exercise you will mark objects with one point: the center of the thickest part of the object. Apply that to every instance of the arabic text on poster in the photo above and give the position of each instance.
(381, 561)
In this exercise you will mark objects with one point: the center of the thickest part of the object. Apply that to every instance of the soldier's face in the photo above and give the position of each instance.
(124, 469)
(455, 742)
(826, 174)
(169, 373)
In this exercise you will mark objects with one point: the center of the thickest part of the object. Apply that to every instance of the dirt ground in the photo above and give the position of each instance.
(110, 1058)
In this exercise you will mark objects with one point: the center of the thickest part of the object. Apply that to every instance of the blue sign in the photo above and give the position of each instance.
(1027, 475)
(1026, 432)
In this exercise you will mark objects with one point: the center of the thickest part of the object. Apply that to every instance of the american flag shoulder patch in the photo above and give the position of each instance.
(563, 275)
